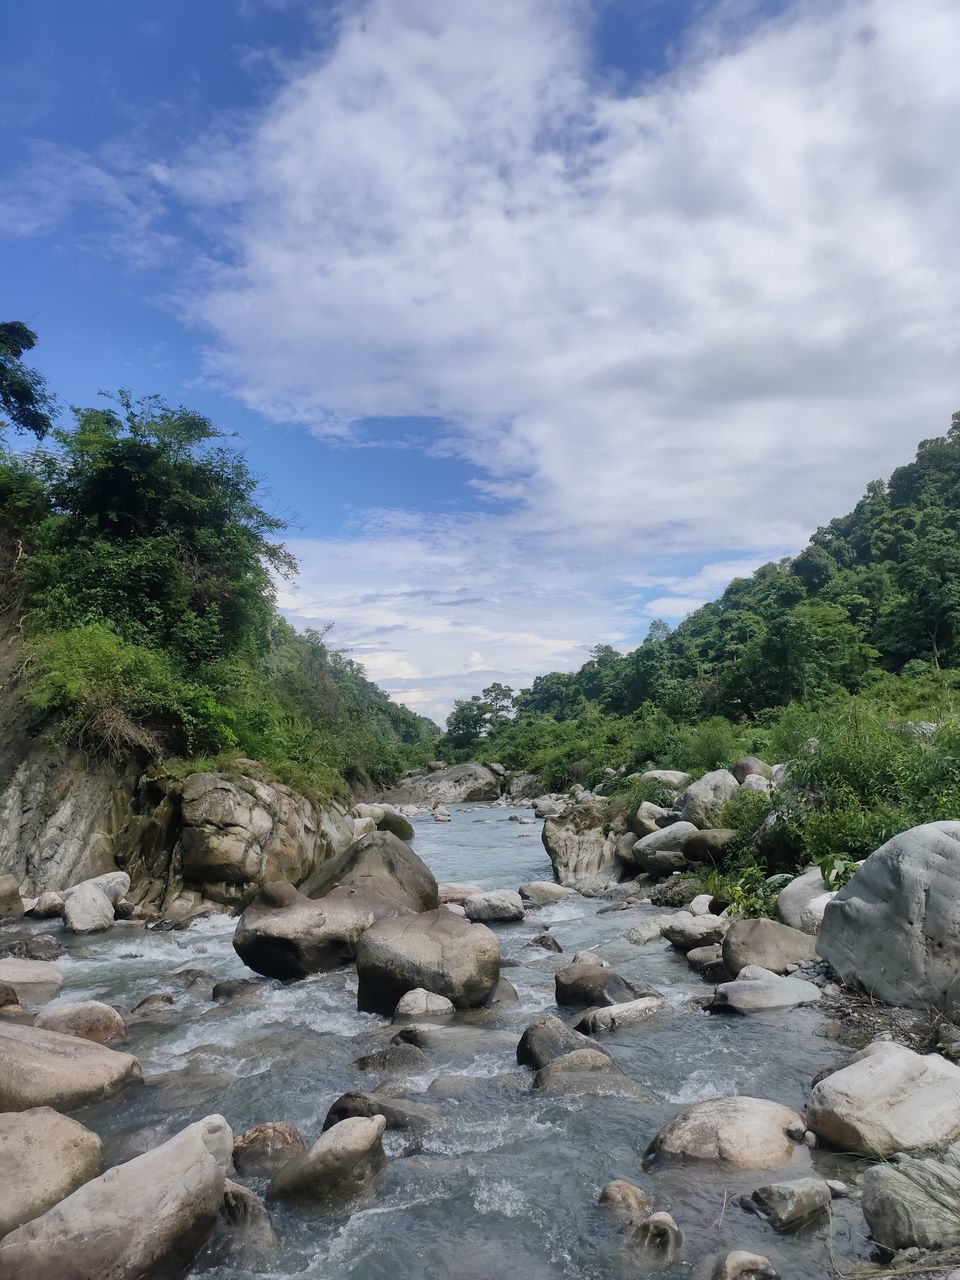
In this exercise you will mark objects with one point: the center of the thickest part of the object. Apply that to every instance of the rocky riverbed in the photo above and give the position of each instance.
(491, 1167)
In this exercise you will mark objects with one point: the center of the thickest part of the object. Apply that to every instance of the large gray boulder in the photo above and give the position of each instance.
(45, 1068)
(704, 799)
(457, 784)
(344, 1160)
(142, 1220)
(910, 1203)
(686, 931)
(283, 934)
(766, 943)
(745, 1133)
(87, 909)
(34, 981)
(583, 852)
(494, 905)
(378, 863)
(43, 1157)
(436, 950)
(888, 1099)
(907, 897)
(646, 852)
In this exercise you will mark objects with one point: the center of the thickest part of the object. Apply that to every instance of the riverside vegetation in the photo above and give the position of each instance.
(210, 816)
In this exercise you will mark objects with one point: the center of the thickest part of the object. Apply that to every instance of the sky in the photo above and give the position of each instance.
(539, 319)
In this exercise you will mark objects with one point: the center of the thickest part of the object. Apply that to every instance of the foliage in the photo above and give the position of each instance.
(24, 398)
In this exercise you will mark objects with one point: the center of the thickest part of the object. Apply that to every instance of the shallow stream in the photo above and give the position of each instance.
(505, 1185)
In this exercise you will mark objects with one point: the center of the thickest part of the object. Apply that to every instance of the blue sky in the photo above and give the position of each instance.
(542, 319)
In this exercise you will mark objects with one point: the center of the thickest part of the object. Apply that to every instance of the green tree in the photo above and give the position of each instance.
(24, 398)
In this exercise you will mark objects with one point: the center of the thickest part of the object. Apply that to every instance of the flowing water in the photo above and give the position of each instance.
(505, 1184)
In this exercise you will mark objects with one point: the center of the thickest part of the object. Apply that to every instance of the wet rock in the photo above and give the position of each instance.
(435, 950)
(89, 1019)
(650, 929)
(503, 993)
(155, 1000)
(547, 942)
(399, 1113)
(44, 1068)
(745, 1133)
(540, 893)
(626, 1200)
(906, 893)
(235, 989)
(685, 931)
(48, 906)
(34, 981)
(888, 1099)
(912, 1203)
(456, 892)
(31, 946)
(766, 943)
(560, 1074)
(547, 1038)
(243, 1235)
(757, 990)
(342, 1162)
(494, 905)
(44, 1156)
(11, 904)
(740, 1265)
(420, 1003)
(646, 852)
(748, 765)
(616, 1016)
(87, 909)
(8, 997)
(787, 1204)
(703, 800)
(380, 864)
(583, 852)
(395, 1057)
(284, 934)
(142, 1219)
(591, 984)
(261, 1151)
(797, 894)
(659, 1235)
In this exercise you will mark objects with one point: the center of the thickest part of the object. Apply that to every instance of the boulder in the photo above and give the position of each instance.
(659, 1236)
(31, 946)
(766, 943)
(399, 1113)
(34, 981)
(888, 1099)
(793, 898)
(540, 893)
(685, 931)
(709, 847)
(283, 934)
(494, 905)
(701, 905)
(751, 765)
(756, 782)
(757, 990)
(243, 1236)
(738, 1264)
(704, 799)
(787, 1204)
(616, 1016)
(261, 1151)
(115, 884)
(581, 849)
(420, 1003)
(670, 839)
(645, 819)
(744, 1133)
(547, 807)
(11, 904)
(908, 894)
(87, 909)
(146, 1218)
(564, 1073)
(456, 892)
(591, 984)
(708, 962)
(672, 778)
(379, 863)
(44, 1156)
(910, 1203)
(89, 1019)
(811, 917)
(343, 1161)
(436, 950)
(48, 905)
(626, 1200)
(398, 825)
(547, 1038)
(649, 929)
(44, 1068)
(456, 784)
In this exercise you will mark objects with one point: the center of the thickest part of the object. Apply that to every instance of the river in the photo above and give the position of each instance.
(506, 1183)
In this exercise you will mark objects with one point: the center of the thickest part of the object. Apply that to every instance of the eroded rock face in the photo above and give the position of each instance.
(378, 863)
(143, 1219)
(44, 1156)
(888, 1099)
(44, 1068)
(703, 800)
(457, 784)
(343, 1161)
(436, 950)
(283, 934)
(745, 1133)
(907, 893)
(583, 854)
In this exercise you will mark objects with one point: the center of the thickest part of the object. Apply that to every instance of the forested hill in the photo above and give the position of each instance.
(138, 571)
(875, 594)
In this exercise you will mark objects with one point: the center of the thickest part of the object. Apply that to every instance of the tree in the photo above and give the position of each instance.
(500, 701)
(23, 392)
(465, 722)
